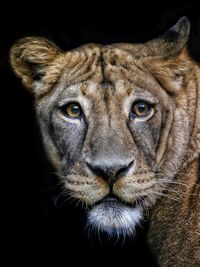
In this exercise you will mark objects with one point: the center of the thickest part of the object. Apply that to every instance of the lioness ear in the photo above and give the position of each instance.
(169, 61)
(172, 42)
(29, 56)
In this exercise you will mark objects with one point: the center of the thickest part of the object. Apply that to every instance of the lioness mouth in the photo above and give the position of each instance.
(113, 217)
(112, 199)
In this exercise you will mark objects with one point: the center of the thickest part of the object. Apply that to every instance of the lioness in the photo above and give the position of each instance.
(121, 126)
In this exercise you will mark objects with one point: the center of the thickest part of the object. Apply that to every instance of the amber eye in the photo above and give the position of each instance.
(141, 109)
(72, 110)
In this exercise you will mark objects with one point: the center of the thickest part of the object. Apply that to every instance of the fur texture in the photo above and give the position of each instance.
(118, 164)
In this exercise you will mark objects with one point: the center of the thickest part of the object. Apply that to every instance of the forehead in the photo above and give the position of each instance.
(102, 71)
(100, 64)
(107, 66)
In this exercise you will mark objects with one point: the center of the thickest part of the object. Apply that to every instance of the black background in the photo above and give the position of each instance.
(34, 230)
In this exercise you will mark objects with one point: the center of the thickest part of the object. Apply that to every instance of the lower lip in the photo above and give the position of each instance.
(110, 199)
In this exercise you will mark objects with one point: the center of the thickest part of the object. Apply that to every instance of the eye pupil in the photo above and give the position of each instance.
(141, 108)
(75, 108)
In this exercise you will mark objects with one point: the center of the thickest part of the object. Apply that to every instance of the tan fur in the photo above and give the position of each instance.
(164, 146)
(174, 233)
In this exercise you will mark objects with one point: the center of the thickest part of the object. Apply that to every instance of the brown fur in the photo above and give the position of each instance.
(164, 146)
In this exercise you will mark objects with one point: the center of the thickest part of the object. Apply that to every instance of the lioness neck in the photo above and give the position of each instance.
(174, 233)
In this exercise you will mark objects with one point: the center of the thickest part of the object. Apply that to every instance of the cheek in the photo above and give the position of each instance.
(154, 126)
(69, 139)
(146, 135)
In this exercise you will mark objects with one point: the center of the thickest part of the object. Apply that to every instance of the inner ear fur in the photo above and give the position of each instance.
(29, 56)
(170, 73)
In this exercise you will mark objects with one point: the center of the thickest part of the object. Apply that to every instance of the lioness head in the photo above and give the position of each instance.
(117, 120)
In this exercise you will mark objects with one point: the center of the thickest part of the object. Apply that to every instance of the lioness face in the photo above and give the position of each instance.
(111, 123)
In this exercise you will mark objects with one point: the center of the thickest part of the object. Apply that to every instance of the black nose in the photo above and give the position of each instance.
(110, 170)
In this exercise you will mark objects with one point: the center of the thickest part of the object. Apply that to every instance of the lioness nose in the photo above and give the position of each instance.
(110, 170)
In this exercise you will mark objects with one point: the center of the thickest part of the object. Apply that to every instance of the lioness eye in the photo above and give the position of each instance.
(140, 109)
(72, 110)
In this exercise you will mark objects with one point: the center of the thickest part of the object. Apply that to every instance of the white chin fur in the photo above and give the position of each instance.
(114, 219)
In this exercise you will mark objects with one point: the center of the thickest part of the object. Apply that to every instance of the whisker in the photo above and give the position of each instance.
(176, 182)
(167, 196)
(180, 193)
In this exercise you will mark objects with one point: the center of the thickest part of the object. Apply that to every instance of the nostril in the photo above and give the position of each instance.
(124, 170)
(97, 170)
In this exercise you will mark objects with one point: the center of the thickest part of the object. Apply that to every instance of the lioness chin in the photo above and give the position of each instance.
(121, 126)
